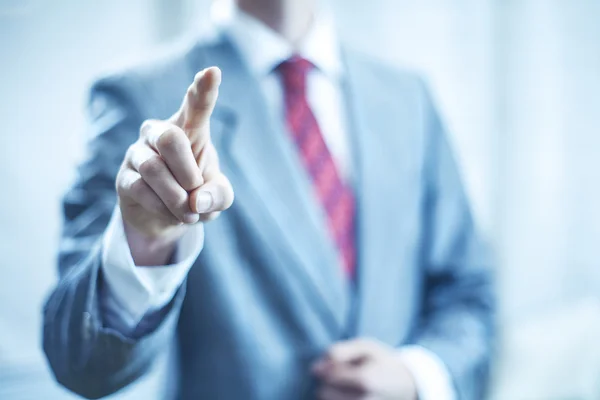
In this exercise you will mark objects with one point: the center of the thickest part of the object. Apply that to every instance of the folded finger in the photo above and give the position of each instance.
(132, 185)
(157, 175)
(175, 149)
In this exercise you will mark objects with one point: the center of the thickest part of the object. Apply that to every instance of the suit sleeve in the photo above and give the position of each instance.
(458, 300)
(131, 292)
(86, 356)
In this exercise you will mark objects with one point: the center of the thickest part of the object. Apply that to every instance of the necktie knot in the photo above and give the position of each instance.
(293, 73)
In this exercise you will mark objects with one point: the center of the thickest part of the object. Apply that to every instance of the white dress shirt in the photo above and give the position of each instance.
(133, 291)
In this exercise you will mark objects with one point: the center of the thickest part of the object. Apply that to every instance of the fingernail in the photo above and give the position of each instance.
(204, 202)
(218, 75)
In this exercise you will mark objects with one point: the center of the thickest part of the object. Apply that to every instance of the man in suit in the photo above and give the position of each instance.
(348, 266)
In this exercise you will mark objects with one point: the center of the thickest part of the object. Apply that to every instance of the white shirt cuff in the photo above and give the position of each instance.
(431, 376)
(133, 291)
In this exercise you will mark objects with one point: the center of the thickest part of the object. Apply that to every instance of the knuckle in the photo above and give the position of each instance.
(138, 188)
(169, 218)
(170, 139)
(192, 182)
(158, 207)
(176, 200)
(152, 167)
(131, 150)
(191, 90)
(120, 182)
(137, 151)
(146, 127)
(180, 198)
(192, 94)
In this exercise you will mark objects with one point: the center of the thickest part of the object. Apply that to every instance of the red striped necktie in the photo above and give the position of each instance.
(335, 197)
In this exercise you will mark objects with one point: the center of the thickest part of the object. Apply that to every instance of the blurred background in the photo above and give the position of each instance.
(518, 82)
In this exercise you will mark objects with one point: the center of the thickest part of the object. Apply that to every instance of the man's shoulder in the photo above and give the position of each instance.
(161, 77)
(167, 58)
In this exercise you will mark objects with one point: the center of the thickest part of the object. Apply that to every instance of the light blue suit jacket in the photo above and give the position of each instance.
(266, 296)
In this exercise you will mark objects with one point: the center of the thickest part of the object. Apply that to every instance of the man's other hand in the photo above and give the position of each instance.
(170, 177)
(364, 369)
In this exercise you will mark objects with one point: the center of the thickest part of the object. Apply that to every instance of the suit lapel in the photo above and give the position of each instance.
(384, 128)
(272, 189)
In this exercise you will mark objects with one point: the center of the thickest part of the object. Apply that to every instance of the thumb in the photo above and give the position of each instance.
(194, 114)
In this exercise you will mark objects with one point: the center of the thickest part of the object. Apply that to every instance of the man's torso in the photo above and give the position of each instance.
(267, 295)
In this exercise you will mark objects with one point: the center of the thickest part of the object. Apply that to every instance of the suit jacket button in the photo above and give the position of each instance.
(87, 326)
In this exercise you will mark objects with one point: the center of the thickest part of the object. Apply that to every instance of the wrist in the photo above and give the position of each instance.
(152, 250)
(430, 375)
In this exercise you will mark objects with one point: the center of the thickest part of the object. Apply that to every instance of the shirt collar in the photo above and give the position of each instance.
(263, 49)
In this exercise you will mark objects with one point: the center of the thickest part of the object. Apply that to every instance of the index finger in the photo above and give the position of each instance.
(199, 101)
